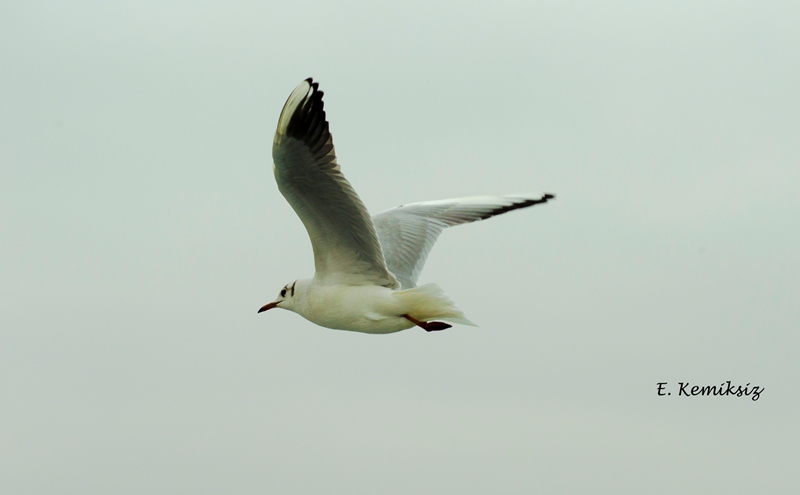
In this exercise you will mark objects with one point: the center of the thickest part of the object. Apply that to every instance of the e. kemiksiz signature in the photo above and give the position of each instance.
(685, 389)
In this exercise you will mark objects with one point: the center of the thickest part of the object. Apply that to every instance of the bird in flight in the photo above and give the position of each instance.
(366, 268)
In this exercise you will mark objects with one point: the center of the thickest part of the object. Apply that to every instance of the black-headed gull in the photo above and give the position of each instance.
(366, 268)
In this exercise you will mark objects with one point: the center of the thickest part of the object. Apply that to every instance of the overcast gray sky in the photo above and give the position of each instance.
(142, 228)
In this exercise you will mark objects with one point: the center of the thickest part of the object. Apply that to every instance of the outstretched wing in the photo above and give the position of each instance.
(407, 233)
(346, 248)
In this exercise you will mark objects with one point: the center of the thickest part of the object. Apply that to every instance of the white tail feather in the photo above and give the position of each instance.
(429, 302)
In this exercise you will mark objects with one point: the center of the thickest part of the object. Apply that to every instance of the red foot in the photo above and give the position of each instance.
(429, 326)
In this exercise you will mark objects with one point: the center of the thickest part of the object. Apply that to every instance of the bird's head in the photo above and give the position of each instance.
(285, 298)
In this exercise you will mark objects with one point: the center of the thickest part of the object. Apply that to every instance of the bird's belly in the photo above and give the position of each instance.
(367, 309)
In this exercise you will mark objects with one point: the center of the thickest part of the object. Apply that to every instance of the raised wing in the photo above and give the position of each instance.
(407, 233)
(346, 248)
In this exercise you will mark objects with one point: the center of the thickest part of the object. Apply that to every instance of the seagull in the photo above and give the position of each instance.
(366, 268)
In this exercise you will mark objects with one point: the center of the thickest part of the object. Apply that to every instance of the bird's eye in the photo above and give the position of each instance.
(283, 292)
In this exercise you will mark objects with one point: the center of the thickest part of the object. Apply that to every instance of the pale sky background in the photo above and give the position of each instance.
(142, 228)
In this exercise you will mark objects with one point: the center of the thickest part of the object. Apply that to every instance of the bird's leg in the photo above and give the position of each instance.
(429, 326)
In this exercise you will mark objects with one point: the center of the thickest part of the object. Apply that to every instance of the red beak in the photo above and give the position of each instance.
(267, 306)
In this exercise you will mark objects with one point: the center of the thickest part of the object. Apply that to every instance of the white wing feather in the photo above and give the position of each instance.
(346, 247)
(407, 233)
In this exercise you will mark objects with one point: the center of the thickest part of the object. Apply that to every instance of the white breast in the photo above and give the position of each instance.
(368, 308)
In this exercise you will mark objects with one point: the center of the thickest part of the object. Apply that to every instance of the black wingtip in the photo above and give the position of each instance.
(308, 123)
(314, 85)
(519, 205)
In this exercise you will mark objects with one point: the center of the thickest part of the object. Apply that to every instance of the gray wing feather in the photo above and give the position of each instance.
(346, 247)
(407, 233)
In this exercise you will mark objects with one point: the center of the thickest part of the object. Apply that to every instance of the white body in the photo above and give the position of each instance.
(370, 308)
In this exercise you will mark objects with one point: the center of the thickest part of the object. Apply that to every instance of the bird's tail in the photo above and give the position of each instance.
(429, 302)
